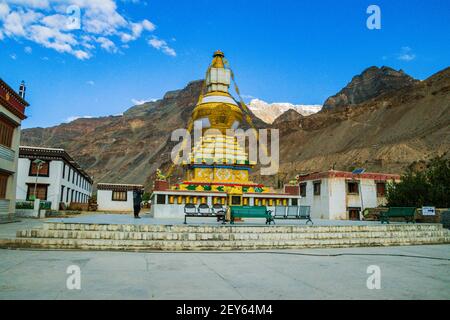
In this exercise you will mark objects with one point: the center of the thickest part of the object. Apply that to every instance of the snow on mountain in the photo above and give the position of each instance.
(268, 112)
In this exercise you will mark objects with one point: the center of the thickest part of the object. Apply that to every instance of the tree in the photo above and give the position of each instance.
(146, 196)
(417, 188)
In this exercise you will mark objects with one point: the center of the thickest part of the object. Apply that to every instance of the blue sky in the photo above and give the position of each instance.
(134, 50)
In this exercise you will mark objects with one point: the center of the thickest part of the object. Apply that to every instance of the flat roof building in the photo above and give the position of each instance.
(340, 195)
(116, 196)
(59, 178)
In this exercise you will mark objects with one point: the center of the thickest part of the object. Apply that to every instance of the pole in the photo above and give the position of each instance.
(38, 166)
(361, 196)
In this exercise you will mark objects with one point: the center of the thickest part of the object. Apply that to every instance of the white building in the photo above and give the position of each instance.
(339, 195)
(116, 197)
(12, 112)
(59, 179)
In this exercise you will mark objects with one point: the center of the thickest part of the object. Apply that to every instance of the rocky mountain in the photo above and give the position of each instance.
(371, 83)
(268, 112)
(384, 133)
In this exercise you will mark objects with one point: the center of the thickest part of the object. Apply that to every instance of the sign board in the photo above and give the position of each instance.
(428, 211)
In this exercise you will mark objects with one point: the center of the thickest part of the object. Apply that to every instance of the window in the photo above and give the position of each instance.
(64, 171)
(316, 185)
(381, 189)
(294, 202)
(67, 194)
(3, 184)
(160, 199)
(6, 132)
(73, 177)
(352, 187)
(119, 196)
(303, 189)
(44, 169)
(71, 196)
(236, 200)
(40, 190)
(62, 194)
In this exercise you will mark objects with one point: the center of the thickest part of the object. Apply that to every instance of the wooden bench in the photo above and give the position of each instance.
(398, 212)
(204, 211)
(251, 212)
(293, 212)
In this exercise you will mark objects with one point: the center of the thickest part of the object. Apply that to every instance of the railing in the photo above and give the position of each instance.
(6, 153)
(45, 205)
(24, 204)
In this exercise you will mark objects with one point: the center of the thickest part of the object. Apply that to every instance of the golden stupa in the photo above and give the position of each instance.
(217, 162)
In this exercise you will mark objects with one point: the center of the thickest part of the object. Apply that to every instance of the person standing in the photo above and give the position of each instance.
(137, 199)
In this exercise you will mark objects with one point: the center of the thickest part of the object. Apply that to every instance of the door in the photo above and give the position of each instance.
(353, 213)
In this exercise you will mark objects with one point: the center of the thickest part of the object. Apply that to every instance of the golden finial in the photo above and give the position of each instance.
(218, 59)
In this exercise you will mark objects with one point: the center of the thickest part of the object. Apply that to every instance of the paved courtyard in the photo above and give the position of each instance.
(299, 274)
(410, 272)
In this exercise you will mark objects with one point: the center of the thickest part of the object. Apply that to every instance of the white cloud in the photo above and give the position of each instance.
(406, 54)
(90, 82)
(13, 56)
(47, 23)
(137, 102)
(160, 44)
(41, 4)
(107, 44)
(4, 10)
(73, 118)
(28, 50)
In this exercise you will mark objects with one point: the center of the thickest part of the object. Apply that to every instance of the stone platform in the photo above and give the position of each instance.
(123, 233)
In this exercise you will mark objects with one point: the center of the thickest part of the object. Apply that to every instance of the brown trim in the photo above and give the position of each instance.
(119, 187)
(30, 189)
(12, 101)
(4, 177)
(52, 154)
(121, 191)
(30, 174)
(348, 175)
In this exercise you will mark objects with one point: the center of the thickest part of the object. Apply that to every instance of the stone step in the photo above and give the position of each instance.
(184, 236)
(240, 228)
(146, 245)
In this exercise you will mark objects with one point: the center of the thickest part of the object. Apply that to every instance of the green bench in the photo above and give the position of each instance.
(398, 212)
(251, 212)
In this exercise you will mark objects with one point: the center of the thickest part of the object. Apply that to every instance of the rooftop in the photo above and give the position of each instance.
(347, 175)
(45, 153)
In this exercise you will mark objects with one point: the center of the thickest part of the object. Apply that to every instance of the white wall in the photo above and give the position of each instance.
(54, 181)
(85, 191)
(334, 201)
(105, 202)
(337, 204)
(319, 204)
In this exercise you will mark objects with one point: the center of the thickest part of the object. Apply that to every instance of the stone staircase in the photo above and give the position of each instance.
(68, 236)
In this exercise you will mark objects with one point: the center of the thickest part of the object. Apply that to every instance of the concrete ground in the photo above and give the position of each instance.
(278, 274)
(406, 272)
